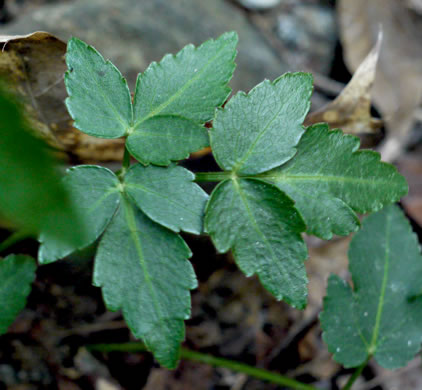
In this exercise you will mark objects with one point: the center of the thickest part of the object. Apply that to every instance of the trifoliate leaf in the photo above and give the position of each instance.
(382, 315)
(94, 192)
(32, 196)
(260, 130)
(174, 97)
(17, 272)
(99, 99)
(259, 223)
(143, 270)
(168, 196)
(329, 178)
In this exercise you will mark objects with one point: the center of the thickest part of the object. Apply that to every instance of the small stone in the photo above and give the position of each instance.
(259, 4)
(8, 375)
(310, 33)
(131, 40)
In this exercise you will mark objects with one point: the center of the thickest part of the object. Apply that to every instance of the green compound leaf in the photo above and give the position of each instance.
(260, 131)
(17, 272)
(259, 223)
(378, 317)
(32, 196)
(99, 99)
(168, 196)
(143, 270)
(94, 192)
(329, 179)
(176, 96)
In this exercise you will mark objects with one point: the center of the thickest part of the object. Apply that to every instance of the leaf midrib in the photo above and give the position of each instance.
(102, 199)
(131, 222)
(179, 92)
(375, 334)
(329, 178)
(255, 223)
(120, 118)
(239, 164)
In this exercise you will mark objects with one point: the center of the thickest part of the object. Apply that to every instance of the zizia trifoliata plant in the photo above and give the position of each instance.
(278, 180)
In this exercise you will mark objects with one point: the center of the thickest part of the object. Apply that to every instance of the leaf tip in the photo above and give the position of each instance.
(230, 36)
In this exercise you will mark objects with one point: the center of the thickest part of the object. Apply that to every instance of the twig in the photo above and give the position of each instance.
(92, 328)
(188, 354)
(356, 375)
(297, 331)
(379, 379)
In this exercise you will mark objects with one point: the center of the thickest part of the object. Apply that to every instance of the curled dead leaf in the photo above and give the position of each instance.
(351, 109)
(397, 89)
(33, 66)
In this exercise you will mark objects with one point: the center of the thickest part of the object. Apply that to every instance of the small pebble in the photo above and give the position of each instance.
(259, 4)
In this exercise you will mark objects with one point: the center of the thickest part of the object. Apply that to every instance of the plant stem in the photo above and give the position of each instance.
(126, 159)
(212, 176)
(13, 239)
(188, 354)
(355, 375)
(125, 165)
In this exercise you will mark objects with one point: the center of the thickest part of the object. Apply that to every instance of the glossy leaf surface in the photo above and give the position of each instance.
(99, 99)
(260, 130)
(163, 139)
(94, 193)
(382, 315)
(168, 196)
(259, 223)
(329, 179)
(143, 270)
(175, 97)
(17, 272)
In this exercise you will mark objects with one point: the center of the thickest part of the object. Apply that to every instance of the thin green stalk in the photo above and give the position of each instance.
(125, 164)
(212, 176)
(212, 361)
(355, 375)
(13, 239)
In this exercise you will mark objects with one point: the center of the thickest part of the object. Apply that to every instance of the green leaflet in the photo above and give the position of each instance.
(99, 99)
(379, 317)
(17, 272)
(94, 192)
(143, 270)
(163, 139)
(260, 130)
(263, 228)
(176, 96)
(31, 194)
(168, 196)
(329, 178)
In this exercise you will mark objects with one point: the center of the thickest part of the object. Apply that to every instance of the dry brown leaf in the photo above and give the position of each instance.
(397, 89)
(410, 165)
(351, 110)
(34, 66)
(326, 258)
